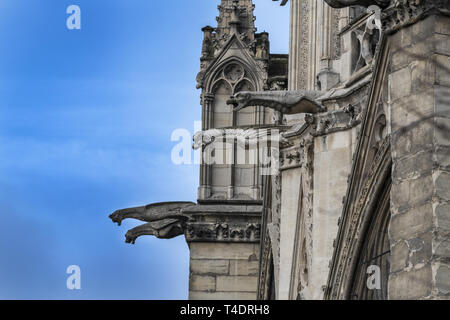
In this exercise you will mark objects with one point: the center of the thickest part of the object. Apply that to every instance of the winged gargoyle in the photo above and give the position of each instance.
(347, 3)
(286, 102)
(165, 220)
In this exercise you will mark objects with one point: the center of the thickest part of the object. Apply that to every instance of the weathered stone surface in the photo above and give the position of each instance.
(442, 155)
(236, 283)
(442, 25)
(195, 295)
(443, 131)
(202, 283)
(442, 70)
(442, 100)
(209, 267)
(221, 251)
(423, 73)
(414, 284)
(409, 110)
(400, 83)
(442, 213)
(400, 253)
(401, 40)
(423, 30)
(244, 268)
(442, 279)
(420, 249)
(414, 166)
(441, 245)
(443, 185)
(442, 42)
(410, 193)
(407, 225)
(413, 138)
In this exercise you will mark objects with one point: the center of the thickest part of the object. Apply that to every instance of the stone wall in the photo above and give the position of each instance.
(332, 165)
(419, 84)
(223, 271)
(290, 194)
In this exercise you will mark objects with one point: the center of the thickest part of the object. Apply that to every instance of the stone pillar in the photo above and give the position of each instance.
(332, 166)
(290, 195)
(419, 86)
(223, 271)
(224, 251)
(300, 56)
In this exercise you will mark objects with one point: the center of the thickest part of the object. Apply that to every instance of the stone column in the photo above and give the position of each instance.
(290, 196)
(419, 85)
(224, 251)
(299, 45)
(204, 190)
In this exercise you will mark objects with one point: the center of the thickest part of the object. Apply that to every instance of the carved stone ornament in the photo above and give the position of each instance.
(396, 13)
(286, 102)
(250, 138)
(406, 12)
(165, 220)
(334, 121)
(223, 232)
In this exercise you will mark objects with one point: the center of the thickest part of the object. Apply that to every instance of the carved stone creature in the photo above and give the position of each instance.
(245, 137)
(165, 220)
(164, 229)
(347, 3)
(286, 102)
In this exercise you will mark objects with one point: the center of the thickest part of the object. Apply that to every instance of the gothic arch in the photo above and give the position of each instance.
(374, 251)
(364, 237)
(220, 70)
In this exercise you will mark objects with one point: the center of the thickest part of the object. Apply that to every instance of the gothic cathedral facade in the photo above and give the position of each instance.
(325, 172)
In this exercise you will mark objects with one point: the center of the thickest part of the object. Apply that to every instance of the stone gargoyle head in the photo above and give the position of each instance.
(239, 100)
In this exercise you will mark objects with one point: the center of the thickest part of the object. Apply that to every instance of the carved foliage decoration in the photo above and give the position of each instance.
(223, 232)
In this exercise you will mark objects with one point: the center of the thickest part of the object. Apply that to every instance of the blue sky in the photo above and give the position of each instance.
(86, 118)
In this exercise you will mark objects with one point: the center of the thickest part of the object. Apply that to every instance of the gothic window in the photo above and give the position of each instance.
(245, 116)
(229, 80)
(222, 112)
(237, 176)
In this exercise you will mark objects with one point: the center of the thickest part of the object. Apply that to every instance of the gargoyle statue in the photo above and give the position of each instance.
(246, 138)
(348, 3)
(286, 102)
(165, 220)
(164, 229)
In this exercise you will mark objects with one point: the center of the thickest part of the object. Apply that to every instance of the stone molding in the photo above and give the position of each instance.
(223, 232)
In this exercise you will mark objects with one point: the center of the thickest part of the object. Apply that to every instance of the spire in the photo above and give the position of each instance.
(236, 17)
